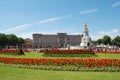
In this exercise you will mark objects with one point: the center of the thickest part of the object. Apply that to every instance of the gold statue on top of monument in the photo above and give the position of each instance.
(85, 27)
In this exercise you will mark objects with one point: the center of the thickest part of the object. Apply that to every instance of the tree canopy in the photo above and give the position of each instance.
(10, 40)
(107, 40)
(116, 41)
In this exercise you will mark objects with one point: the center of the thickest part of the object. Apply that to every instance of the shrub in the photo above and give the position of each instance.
(77, 51)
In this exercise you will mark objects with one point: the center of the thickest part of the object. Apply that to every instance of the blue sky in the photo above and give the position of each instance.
(25, 17)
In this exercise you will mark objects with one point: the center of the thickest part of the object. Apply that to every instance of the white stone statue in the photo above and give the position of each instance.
(85, 40)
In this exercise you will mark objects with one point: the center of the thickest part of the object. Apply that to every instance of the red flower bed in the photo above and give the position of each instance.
(77, 51)
(63, 61)
(9, 51)
(107, 51)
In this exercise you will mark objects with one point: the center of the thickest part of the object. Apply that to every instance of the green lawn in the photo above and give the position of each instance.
(10, 73)
(40, 55)
(99, 55)
(27, 55)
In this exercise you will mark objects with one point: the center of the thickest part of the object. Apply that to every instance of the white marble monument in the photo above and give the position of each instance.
(85, 40)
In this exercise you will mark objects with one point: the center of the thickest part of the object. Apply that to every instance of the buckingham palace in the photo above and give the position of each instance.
(55, 40)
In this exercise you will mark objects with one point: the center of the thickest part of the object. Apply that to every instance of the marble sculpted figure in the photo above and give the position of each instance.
(85, 40)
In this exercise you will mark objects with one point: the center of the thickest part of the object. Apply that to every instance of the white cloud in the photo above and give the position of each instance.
(76, 33)
(25, 35)
(89, 11)
(116, 4)
(17, 28)
(52, 19)
(96, 37)
(114, 31)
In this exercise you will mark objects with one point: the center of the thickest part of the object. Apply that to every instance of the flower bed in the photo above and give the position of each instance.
(99, 64)
(107, 51)
(13, 52)
(70, 55)
(77, 51)
(9, 51)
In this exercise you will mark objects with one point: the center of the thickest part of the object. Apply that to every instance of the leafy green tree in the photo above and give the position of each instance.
(3, 40)
(99, 41)
(116, 41)
(12, 39)
(106, 40)
(20, 42)
(94, 42)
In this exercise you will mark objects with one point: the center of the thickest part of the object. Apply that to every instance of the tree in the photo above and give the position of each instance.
(116, 41)
(20, 42)
(99, 41)
(106, 40)
(12, 40)
(94, 42)
(3, 40)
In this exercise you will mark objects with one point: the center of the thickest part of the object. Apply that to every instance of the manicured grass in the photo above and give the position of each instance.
(100, 55)
(41, 55)
(27, 55)
(10, 73)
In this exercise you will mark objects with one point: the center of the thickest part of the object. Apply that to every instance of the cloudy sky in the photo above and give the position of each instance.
(25, 17)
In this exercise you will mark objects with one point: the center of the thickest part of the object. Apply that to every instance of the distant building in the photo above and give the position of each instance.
(28, 43)
(55, 40)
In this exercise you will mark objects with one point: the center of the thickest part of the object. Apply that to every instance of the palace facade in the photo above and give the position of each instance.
(55, 40)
